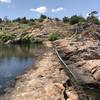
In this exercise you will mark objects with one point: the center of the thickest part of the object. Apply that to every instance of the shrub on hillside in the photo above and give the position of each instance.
(0, 20)
(53, 36)
(57, 19)
(43, 16)
(93, 19)
(76, 19)
(65, 19)
(6, 37)
(24, 20)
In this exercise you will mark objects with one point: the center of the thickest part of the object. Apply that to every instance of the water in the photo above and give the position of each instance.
(14, 59)
(93, 93)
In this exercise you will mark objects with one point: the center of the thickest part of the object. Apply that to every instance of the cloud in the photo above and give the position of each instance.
(5, 1)
(57, 9)
(40, 10)
(87, 15)
(99, 17)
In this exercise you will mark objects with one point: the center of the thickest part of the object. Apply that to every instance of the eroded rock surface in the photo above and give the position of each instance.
(83, 59)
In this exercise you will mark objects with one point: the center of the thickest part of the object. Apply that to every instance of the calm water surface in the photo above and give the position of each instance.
(14, 60)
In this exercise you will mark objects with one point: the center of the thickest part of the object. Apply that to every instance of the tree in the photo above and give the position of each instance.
(24, 20)
(92, 18)
(32, 20)
(0, 20)
(6, 19)
(57, 19)
(65, 19)
(76, 19)
(43, 16)
(17, 19)
(93, 13)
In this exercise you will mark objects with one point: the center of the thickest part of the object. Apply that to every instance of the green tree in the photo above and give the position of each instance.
(17, 19)
(43, 16)
(6, 19)
(76, 19)
(32, 20)
(57, 19)
(0, 20)
(93, 13)
(65, 19)
(92, 18)
(24, 20)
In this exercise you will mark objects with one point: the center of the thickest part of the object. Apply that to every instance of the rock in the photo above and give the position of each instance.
(97, 75)
(96, 35)
(55, 91)
(72, 95)
(82, 59)
(9, 42)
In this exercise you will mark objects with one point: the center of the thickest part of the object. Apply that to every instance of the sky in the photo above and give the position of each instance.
(51, 8)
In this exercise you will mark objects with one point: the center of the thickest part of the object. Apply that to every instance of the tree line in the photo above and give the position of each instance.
(92, 18)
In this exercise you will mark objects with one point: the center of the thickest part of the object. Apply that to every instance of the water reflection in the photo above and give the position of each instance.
(14, 60)
(94, 94)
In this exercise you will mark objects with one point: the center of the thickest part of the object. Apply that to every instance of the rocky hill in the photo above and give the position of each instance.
(14, 32)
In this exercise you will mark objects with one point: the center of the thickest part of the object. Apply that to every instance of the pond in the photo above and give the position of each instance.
(14, 60)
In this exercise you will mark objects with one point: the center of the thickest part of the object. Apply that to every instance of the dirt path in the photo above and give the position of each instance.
(43, 83)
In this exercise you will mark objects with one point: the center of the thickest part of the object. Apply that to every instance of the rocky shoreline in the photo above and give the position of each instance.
(45, 82)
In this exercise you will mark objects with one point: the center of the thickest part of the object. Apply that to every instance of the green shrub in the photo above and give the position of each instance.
(53, 36)
(93, 19)
(76, 19)
(6, 37)
(43, 16)
(65, 19)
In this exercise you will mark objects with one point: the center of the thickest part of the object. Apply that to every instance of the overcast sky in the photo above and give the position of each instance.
(52, 8)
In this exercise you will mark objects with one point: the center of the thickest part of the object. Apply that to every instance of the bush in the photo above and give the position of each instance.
(43, 16)
(6, 37)
(53, 36)
(24, 20)
(93, 19)
(76, 19)
(57, 19)
(65, 19)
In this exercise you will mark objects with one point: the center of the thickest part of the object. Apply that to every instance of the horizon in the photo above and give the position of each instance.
(55, 9)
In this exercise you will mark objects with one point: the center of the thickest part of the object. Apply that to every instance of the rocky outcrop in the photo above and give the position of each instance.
(83, 59)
